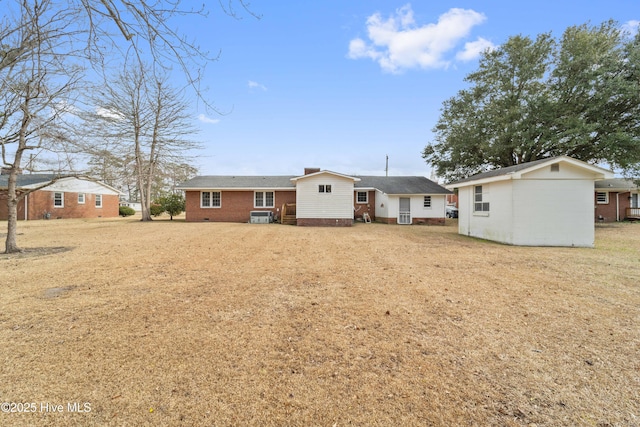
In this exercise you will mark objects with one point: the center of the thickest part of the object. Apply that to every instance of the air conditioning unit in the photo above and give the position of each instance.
(261, 217)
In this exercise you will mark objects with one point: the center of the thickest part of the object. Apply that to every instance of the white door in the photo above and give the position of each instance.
(404, 215)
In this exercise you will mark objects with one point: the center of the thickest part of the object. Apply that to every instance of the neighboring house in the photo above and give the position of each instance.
(547, 202)
(320, 198)
(616, 199)
(136, 206)
(67, 197)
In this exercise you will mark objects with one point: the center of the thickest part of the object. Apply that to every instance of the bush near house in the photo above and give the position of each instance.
(126, 211)
(173, 204)
(156, 209)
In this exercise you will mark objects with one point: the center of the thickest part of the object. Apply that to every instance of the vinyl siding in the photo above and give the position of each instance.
(335, 205)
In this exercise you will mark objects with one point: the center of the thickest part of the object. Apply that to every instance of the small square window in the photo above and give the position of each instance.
(602, 197)
(555, 167)
(362, 197)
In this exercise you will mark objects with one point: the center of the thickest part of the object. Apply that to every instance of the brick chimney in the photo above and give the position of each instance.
(308, 171)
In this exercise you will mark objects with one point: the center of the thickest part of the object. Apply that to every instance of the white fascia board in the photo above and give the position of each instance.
(482, 181)
(355, 179)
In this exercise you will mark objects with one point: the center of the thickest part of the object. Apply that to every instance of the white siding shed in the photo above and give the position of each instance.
(543, 203)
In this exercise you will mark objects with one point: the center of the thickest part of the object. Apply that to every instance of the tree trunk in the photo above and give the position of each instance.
(11, 245)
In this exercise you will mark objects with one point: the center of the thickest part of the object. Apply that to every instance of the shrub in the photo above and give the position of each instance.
(126, 211)
(156, 209)
(173, 204)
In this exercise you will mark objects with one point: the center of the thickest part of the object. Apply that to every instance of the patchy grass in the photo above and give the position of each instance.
(174, 323)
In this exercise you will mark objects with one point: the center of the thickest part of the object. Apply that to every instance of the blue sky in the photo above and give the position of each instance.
(341, 84)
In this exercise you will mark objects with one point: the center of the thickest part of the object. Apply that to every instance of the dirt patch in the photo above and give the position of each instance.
(174, 323)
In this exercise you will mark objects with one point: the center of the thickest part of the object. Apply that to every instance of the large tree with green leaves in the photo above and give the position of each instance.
(537, 98)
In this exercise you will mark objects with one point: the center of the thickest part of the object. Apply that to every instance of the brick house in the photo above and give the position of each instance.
(616, 199)
(67, 197)
(320, 197)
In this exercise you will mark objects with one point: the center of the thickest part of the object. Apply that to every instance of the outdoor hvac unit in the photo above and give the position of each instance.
(261, 217)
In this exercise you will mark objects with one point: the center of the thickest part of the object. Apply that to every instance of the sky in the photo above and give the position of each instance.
(342, 84)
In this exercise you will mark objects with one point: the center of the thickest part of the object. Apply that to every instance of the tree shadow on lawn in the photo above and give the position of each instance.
(35, 252)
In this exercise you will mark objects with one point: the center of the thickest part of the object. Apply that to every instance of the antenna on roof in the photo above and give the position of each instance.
(386, 168)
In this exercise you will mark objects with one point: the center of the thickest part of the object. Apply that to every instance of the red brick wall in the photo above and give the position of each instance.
(235, 206)
(415, 221)
(608, 210)
(325, 222)
(369, 207)
(41, 201)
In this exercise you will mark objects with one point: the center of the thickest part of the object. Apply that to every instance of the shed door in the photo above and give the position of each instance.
(404, 215)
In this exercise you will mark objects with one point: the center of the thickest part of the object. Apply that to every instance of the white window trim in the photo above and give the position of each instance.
(264, 199)
(84, 198)
(366, 195)
(324, 188)
(98, 197)
(211, 199)
(483, 200)
(61, 200)
(606, 197)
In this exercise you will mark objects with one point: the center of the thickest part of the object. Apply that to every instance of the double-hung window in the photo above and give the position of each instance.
(58, 200)
(98, 200)
(479, 204)
(362, 197)
(81, 198)
(263, 199)
(210, 199)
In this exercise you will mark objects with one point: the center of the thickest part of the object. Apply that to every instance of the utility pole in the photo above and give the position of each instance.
(386, 168)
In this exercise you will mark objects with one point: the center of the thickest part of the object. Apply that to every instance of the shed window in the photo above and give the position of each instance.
(263, 199)
(602, 198)
(427, 201)
(362, 197)
(555, 167)
(58, 200)
(479, 204)
(322, 188)
(210, 199)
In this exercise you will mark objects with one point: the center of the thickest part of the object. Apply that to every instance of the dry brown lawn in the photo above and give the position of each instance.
(174, 323)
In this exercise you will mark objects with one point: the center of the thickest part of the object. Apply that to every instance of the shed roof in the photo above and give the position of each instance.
(517, 170)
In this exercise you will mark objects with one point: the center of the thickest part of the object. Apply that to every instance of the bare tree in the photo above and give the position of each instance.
(35, 86)
(44, 46)
(148, 120)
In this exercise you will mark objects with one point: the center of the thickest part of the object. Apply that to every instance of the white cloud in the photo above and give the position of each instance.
(631, 27)
(398, 43)
(253, 85)
(473, 50)
(109, 114)
(205, 119)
